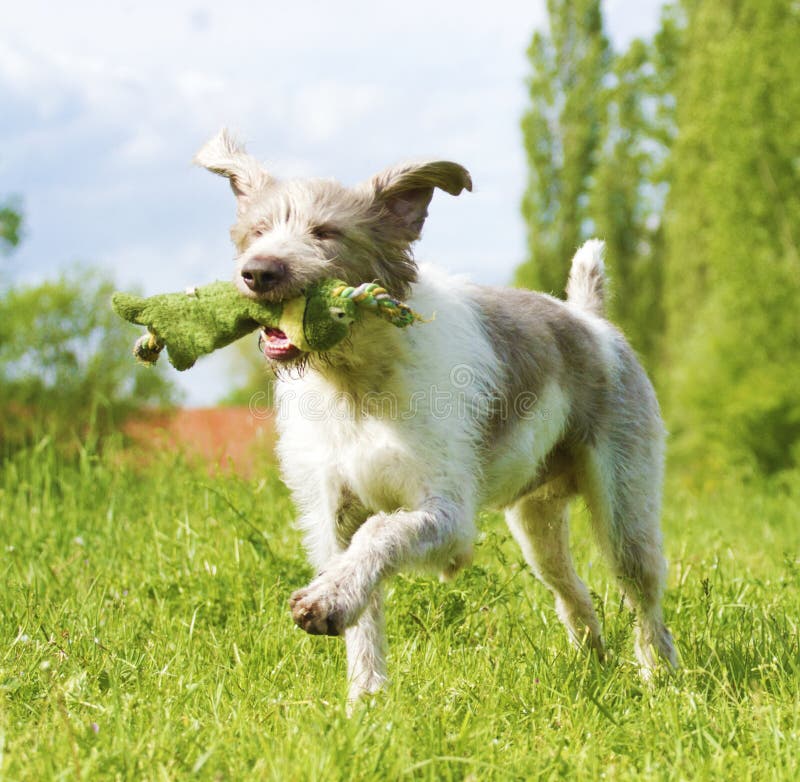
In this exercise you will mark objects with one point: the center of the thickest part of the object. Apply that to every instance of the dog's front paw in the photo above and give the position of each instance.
(315, 610)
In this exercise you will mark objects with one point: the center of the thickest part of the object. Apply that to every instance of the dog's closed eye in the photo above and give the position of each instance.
(261, 228)
(325, 232)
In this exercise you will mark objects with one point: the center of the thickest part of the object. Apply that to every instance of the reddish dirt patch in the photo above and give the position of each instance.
(223, 437)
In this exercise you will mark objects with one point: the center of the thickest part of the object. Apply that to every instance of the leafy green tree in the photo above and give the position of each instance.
(562, 132)
(66, 367)
(598, 135)
(733, 236)
(693, 181)
(630, 183)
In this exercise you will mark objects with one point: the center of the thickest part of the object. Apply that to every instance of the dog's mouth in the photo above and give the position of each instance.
(275, 345)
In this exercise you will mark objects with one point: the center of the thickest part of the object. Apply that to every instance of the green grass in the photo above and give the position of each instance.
(144, 634)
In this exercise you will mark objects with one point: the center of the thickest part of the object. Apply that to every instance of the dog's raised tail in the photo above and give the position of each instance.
(586, 287)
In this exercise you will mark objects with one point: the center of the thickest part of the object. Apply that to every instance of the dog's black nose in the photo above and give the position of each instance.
(262, 274)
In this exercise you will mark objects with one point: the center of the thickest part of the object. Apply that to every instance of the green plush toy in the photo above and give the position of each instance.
(201, 320)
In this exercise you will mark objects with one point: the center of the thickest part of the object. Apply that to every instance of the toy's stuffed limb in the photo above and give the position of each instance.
(148, 348)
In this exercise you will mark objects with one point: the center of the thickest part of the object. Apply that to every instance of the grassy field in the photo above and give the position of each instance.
(144, 634)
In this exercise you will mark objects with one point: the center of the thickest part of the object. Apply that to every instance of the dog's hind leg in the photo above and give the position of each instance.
(541, 527)
(622, 487)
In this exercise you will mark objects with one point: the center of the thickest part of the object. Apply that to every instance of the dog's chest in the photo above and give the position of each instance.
(378, 465)
(339, 449)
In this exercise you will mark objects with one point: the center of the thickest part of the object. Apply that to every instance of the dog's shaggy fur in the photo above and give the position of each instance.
(508, 398)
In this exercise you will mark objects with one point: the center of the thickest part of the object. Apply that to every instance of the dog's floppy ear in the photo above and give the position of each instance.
(227, 157)
(405, 191)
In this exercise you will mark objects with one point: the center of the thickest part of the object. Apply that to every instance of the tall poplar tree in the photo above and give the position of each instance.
(631, 180)
(561, 134)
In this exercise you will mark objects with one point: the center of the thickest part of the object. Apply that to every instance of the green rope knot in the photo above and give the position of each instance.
(374, 297)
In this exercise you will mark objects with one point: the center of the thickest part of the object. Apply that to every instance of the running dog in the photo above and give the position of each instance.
(507, 399)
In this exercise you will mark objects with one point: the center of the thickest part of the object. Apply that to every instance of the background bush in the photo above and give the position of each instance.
(66, 368)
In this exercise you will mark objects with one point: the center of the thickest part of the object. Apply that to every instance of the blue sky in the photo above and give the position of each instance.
(103, 104)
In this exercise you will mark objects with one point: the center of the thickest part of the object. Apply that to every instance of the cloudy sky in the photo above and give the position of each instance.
(103, 103)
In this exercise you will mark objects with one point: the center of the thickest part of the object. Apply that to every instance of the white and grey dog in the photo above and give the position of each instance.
(507, 399)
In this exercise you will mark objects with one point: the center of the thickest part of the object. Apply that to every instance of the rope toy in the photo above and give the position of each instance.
(201, 320)
(374, 297)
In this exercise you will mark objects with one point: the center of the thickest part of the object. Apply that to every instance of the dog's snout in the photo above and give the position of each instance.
(262, 274)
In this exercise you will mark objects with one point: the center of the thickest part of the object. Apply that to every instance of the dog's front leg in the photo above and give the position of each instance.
(366, 649)
(437, 533)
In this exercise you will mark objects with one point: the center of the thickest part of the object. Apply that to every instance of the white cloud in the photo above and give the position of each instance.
(326, 109)
(143, 144)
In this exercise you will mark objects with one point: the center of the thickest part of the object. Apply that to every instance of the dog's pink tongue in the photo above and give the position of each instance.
(276, 345)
